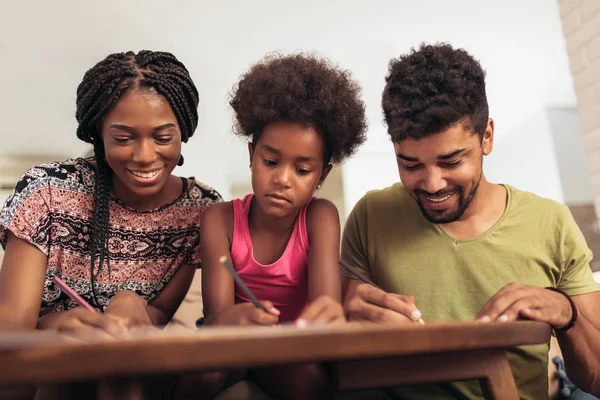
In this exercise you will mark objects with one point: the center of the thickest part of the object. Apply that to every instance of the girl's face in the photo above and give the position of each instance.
(287, 165)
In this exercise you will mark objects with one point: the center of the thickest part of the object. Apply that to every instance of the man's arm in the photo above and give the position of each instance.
(365, 303)
(580, 345)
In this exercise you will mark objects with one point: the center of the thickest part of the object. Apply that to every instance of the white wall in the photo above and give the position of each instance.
(45, 47)
(570, 155)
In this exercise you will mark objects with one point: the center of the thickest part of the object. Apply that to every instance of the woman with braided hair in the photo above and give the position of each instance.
(118, 228)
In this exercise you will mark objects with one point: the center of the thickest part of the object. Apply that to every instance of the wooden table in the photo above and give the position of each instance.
(365, 357)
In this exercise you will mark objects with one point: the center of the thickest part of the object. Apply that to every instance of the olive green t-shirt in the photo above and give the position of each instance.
(535, 242)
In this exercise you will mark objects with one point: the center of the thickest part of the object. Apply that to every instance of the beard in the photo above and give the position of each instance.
(450, 214)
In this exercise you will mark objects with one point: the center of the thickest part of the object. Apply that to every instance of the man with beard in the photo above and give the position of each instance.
(446, 244)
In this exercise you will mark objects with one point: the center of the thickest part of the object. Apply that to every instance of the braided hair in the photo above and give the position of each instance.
(100, 89)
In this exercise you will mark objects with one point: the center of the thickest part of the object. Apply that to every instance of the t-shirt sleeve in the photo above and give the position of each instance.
(27, 211)
(210, 197)
(576, 256)
(354, 241)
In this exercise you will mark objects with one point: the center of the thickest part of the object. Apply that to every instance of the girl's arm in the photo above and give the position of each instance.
(218, 290)
(323, 229)
(324, 282)
(216, 231)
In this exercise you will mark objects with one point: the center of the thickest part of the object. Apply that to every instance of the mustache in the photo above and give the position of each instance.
(439, 193)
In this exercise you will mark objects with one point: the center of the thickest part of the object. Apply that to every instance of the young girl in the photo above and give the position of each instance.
(300, 113)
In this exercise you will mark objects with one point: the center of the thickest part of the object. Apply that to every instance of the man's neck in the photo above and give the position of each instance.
(485, 210)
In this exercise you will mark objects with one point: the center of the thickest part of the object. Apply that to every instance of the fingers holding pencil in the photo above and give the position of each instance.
(253, 313)
(83, 320)
(372, 303)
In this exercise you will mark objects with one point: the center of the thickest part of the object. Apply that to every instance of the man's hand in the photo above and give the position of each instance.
(517, 301)
(371, 304)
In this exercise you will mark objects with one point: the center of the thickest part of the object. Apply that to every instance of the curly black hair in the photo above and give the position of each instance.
(306, 89)
(430, 89)
(101, 87)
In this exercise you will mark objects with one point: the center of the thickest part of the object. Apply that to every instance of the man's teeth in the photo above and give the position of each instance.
(146, 175)
(438, 200)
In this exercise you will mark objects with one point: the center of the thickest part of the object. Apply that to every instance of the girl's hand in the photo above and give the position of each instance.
(246, 314)
(322, 310)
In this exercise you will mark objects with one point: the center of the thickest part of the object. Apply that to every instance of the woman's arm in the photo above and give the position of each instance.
(21, 284)
(135, 311)
(164, 306)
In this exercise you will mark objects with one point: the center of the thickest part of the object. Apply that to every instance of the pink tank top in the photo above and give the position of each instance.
(284, 282)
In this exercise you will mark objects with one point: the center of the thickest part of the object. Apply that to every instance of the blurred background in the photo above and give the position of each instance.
(542, 60)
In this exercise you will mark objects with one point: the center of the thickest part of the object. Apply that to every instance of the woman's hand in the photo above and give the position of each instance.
(80, 319)
(129, 307)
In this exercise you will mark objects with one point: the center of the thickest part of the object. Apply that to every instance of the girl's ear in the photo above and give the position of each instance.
(250, 152)
(324, 174)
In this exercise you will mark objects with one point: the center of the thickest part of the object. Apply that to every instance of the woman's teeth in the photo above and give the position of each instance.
(146, 175)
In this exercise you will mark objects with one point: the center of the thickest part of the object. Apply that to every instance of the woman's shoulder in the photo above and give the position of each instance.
(38, 192)
(61, 170)
(201, 194)
(71, 174)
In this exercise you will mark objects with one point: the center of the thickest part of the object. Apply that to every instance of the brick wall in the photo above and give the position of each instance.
(581, 27)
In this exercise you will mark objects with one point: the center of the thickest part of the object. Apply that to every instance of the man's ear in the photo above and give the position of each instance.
(487, 142)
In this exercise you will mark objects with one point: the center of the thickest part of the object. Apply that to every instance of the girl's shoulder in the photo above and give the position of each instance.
(219, 214)
(321, 211)
(320, 207)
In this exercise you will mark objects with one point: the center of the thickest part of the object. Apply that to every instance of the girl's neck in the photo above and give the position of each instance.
(259, 220)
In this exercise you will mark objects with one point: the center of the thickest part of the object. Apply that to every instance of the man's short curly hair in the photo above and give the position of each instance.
(306, 89)
(431, 89)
